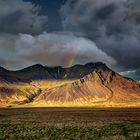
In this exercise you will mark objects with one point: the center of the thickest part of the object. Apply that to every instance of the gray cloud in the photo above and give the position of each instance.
(8, 53)
(113, 25)
(133, 73)
(50, 49)
(17, 16)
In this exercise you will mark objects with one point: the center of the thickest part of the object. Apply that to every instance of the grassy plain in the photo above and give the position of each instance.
(69, 124)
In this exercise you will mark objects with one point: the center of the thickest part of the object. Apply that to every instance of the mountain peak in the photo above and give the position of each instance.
(93, 64)
(36, 66)
(39, 72)
(80, 85)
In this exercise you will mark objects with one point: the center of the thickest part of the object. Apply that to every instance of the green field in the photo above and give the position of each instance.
(69, 124)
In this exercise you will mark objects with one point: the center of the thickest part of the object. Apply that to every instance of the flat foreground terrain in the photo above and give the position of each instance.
(69, 124)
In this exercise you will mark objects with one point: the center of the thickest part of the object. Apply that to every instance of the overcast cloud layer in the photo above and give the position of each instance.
(91, 30)
(113, 24)
(50, 49)
(24, 43)
(18, 16)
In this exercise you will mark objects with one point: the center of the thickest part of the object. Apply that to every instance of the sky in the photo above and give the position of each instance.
(57, 32)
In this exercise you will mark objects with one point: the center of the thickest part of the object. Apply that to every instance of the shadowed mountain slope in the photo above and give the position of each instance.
(39, 72)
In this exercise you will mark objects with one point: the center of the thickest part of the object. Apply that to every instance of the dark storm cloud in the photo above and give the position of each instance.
(49, 49)
(22, 42)
(2, 62)
(17, 16)
(132, 73)
(105, 12)
(113, 24)
(8, 53)
(103, 30)
(50, 8)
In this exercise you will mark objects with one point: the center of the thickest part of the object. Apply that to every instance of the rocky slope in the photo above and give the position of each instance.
(97, 86)
(102, 87)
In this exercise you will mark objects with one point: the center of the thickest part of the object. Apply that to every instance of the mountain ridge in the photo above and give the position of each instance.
(98, 86)
(39, 72)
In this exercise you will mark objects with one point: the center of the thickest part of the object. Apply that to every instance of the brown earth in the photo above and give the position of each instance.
(69, 115)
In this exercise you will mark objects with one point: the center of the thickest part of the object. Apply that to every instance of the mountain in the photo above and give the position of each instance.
(102, 87)
(93, 84)
(39, 72)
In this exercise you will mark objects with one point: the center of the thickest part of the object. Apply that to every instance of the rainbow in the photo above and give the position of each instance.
(70, 62)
